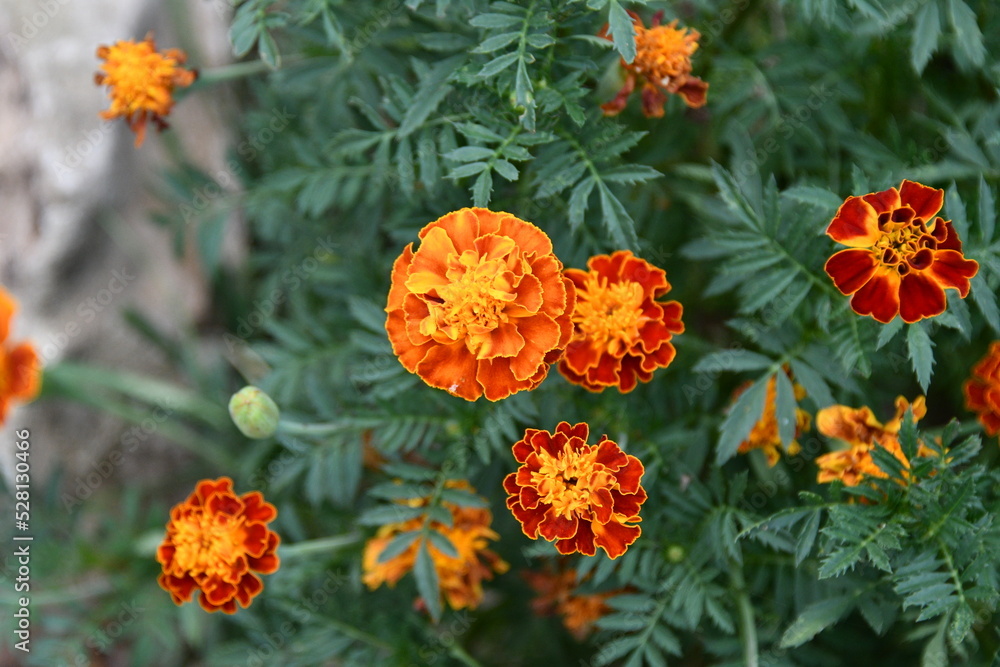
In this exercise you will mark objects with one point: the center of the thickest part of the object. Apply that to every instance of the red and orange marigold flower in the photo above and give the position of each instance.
(663, 63)
(581, 496)
(460, 578)
(218, 542)
(982, 390)
(557, 594)
(20, 369)
(621, 334)
(141, 82)
(765, 434)
(481, 307)
(901, 255)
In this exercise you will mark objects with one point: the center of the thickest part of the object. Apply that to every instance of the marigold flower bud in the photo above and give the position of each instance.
(254, 413)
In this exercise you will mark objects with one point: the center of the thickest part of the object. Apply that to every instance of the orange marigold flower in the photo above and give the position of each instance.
(141, 82)
(557, 595)
(982, 390)
(582, 496)
(460, 578)
(859, 428)
(901, 256)
(218, 542)
(663, 62)
(481, 307)
(20, 368)
(621, 334)
(765, 434)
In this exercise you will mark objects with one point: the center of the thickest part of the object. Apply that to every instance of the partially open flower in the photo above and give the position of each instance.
(218, 542)
(663, 63)
(621, 333)
(765, 434)
(141, 82)
(982, 390)
(20, 369)
(901, 256)
(581, 496)
(557, 594)
(481, 307)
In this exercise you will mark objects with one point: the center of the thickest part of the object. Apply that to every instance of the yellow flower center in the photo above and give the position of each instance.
(140, 78)
(609, 315)
(208, 543)
(568, 480)
(664, 52)
(905, 243)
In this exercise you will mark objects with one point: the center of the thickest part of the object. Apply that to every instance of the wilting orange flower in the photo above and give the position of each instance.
(557, 594)
(621, 334)
(141, 82)
(20, 370)
(218, 542)
(901, 255)
(859, 428)
(481, 308)
(460, 579)
(765, 434)
(982, 390)
(582, 496)
(663, 62)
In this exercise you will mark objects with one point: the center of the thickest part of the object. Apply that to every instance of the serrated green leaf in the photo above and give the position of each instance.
(497, 65)
(926, 32)
(482, 189)
(888, 332)
(814, 384)
(986, 301)
(921, 350)
(469, 153)
(732, 360)
(617, 220)
(742, 416)
(622, 30)
(442, 544)
(398, 545)
(430, 95)
(987, 211)
(968, 36)
(821, 198)
(578, 201)
(506, 169)
(814, 619)
(427, 581)
(785, 408)
(495, 20)
(384, 514)
(496, 42)
(469, 169)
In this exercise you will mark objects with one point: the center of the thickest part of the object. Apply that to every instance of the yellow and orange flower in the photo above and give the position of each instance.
(765, 434)
(460, 578)
(621, 334)
(982, 390)
(481, 307)
(901, 255)
(580, 496)
(663, 62)
(862, 432)
(141, 82)
(218, 542)
(557, 595)
(20, 368)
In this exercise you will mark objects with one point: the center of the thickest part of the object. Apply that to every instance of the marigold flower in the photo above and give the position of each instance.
(460, 579)
(218, 542)
(20, 369)
(581, 496)
(663, 62)
(765, 434)
(982, 390)
(557, 595)
(859, 428)
(481, 308)
(901, 256)
(141, 82)
(621, 334)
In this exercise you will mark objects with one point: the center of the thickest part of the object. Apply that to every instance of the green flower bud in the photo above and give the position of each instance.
(254, 413)
(675, 553)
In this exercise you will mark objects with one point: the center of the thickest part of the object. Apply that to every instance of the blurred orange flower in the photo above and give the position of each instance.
(901, 256)
(481, 308)
(557, 594)
(663, 63)
(461, 577)
(20, 368)
(141, 82)
(582, 496)
(218, 542)
(982, 390)
(621, 334)
(765, 434)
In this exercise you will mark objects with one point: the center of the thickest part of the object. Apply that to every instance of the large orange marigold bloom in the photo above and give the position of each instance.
(621, 334)
(481, 307)
(460, 578)
(218, 542)
(982, 390)
(663, 63)
(765, 434)
(20, 369)
(557, 594)
(141, 82)
(581, 496)
(901, 255)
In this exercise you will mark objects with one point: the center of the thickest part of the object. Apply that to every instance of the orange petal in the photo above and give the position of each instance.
(618, 104)
(431, 257)
(883, 202)
(555, 527)
(855, 225)
(850, 269)
(8, 306)
(452, 368)
(504, 341)
(24, 375)
(540, 334)
(879, 297)
(925, 201)
(920, 297)
(951, 269)
(694, 92)
(614, 537)
(496, 378)
(528, 237)
(652, 101)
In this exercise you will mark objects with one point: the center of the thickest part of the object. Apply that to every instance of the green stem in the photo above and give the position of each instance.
(462, 656)
(321, 545)
(748, 625)
(354, 633)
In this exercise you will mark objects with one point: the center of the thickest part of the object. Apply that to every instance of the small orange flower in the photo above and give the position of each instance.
(765, 434)
(20, 369)
(859, 428)
(481, 308)
(982, 390)
(557, 594)
(582, 496)
(218, 542)
(460, 579)
(621, 334)
(141, 82)
(663, 62)
(901, 256)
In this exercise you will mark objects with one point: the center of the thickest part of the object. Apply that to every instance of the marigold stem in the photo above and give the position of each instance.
(748, 625)
(312, 546)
